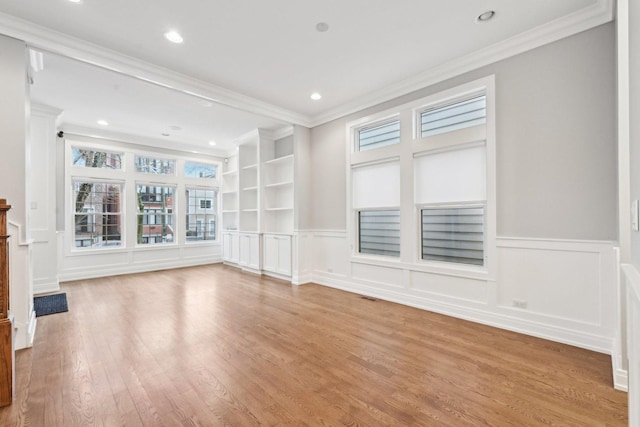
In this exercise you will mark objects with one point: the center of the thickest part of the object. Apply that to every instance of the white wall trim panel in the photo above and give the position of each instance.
(632, 285)
(566, 265)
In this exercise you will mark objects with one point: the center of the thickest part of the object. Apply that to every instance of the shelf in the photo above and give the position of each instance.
(229, 173)
(230, 192)
(230, 211)
(278, 209)
(249, 188)
(250, 166)
(249, 210)
(279, 184)
(279, 159)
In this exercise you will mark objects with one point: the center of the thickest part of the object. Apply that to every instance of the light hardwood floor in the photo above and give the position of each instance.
(213, 346)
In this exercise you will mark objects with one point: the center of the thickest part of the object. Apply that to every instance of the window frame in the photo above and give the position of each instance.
(155, 214)
(357, 213)
(72, 214)
(128, 177)
(412, 144)
(215, 200)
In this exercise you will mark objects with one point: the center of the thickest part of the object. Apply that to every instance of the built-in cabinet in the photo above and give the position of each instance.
(258, 203)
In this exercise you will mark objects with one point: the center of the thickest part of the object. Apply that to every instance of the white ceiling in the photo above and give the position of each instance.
(268, 56)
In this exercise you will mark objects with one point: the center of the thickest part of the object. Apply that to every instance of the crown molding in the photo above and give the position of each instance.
(103, 134)
(40, 37)
(599, 13)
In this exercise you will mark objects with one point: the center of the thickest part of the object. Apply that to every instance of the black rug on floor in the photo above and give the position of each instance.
(50, 304)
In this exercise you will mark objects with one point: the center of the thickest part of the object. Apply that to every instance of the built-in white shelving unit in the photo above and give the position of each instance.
(265, 195)
(230, 193)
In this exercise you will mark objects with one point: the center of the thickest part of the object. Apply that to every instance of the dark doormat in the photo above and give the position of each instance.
(50, 304)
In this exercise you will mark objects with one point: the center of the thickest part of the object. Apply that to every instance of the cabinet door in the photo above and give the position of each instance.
(284, 255)
(235, 248)
(270, 261)
(230, 247)
(254, 252)
(245, 249)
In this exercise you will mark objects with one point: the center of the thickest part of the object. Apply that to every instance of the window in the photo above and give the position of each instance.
(378, 135)
(201, 214)
(453, 234)
(459, 115)
(199, 170)
(97, 218)
(91, 158)
(379, 232)
(155, 166)
(155, 214)
(440, 179)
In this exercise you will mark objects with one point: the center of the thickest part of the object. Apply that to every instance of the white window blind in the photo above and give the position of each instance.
(459, 115)
(376, 186)
(379, 135)
(451, 176)
(379, 232)
(453, 234)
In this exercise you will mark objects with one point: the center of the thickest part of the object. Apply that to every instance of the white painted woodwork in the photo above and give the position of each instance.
(277, 254)
(568, 286)
(250, 251)
(42, 135)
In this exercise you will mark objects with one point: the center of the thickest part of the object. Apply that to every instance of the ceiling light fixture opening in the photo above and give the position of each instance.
(212, 143)
(165, 134)
(173, 36)
(103, 123)
(322, 27)
(75, 1)
(486, 16)
(316, 96)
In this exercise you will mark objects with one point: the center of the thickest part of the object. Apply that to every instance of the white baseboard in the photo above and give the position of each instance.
(33, 322)
(82, 274)
(45, 286)
(567, 336)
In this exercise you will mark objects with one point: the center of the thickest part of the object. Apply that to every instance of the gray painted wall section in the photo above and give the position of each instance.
(556, 142)
(13, 128)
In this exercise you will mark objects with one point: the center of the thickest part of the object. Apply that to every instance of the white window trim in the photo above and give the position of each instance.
(129, 178)
(410, 145)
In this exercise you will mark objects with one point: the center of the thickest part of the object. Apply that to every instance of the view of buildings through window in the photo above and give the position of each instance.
(98, 215)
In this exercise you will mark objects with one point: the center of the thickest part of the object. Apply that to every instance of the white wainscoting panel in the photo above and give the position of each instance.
(564, 290)
(125, 261)
(449, 288)
(632, 285)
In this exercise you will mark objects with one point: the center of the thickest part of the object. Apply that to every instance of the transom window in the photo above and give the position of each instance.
(91, 158)
(155, 165)
(378, 135)
(199, 170)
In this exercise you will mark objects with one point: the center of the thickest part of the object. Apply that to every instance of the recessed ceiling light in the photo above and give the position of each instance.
(173, 36)
(194, 152)
(206, 104)
(103, 123)
(165, 134)
(322, 27)
(316, 96)
(212, 143)
(486, 16)
(75, 1)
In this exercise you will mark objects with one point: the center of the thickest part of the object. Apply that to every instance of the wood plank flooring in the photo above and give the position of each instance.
(212, 346)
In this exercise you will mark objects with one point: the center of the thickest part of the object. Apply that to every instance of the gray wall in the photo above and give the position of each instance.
(14, 104)
(556, 142)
